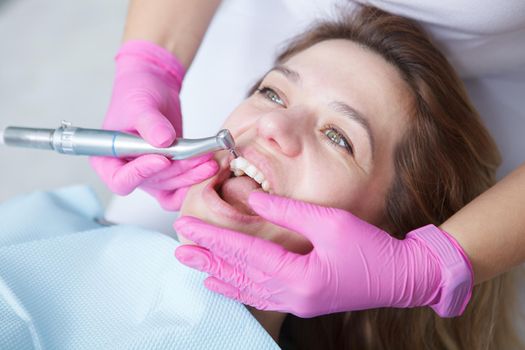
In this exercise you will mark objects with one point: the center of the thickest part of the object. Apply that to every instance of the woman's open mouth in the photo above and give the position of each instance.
(227, 195)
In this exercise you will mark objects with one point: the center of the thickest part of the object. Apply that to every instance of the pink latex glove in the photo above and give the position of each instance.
(353, 265)
(145, 101)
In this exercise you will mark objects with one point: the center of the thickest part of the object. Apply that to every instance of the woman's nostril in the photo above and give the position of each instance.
(274, 143)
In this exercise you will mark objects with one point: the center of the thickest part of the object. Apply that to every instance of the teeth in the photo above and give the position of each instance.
(240, 162)
(251, 171)
(259, 178)
(241, 166)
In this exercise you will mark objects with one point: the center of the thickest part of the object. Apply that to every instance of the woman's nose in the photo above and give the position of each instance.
(283, 130)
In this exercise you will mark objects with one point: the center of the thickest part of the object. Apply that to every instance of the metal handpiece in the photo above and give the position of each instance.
(95, 142)
(225, 137)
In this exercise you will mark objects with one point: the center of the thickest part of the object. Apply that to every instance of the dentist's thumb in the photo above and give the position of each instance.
(155, 128)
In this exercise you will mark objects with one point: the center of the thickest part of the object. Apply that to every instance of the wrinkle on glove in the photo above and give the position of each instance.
(353, 265)
(67, 282)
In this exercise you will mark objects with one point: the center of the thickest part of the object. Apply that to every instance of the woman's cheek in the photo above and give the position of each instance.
(242, 118)
(237, 125)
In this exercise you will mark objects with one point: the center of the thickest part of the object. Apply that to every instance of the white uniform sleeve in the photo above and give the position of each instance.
(480, 37)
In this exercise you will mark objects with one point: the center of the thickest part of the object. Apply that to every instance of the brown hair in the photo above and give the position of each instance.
(444, 160)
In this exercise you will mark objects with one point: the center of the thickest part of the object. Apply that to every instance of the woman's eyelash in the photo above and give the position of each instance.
(333, 135)
(337, 138)
(270, 94)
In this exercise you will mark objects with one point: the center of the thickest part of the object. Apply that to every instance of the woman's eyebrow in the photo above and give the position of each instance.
(288, 73)
(352, 113)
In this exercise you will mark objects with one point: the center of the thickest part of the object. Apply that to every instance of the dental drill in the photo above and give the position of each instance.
(72, 140)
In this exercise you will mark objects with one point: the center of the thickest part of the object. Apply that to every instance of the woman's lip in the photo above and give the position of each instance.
(222, 208)
(262, 164)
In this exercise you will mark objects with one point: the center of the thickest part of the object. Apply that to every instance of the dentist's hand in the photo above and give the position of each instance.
(353, 265)
(145, 101)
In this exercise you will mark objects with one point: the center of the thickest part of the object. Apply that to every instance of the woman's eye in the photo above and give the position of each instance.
(270, 95)
(338, 139)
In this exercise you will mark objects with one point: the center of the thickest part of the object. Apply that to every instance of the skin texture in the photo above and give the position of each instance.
(491, 229)
(286, 130)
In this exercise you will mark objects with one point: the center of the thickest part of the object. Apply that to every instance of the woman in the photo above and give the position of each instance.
(376, 88)
(479, 38)
(313, 125)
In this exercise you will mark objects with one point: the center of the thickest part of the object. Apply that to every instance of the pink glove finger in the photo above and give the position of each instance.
(189, 177)
(245, 297)
(121, 177)
(299, 216)
(171, 193)
(236, 275)
(155, 128)
(180, 167)
(168, 200)
(234, 247)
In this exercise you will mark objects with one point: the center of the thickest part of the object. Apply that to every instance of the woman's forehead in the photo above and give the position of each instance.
(342, 70)
(340, 61)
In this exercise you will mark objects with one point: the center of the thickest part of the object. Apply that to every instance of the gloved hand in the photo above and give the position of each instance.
(145, 101)
(353, 265)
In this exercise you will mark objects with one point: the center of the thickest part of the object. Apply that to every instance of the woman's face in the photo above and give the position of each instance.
(322, 128)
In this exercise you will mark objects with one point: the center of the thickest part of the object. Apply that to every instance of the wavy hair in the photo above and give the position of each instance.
(445, 159)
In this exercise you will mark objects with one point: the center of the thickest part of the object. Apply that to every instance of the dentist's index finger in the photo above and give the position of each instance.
(237, 248)
(184, 178)
(304, 218)
(182, 166)
(123, 177)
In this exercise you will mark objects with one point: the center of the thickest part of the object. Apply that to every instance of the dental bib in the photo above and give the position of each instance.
(68, 282)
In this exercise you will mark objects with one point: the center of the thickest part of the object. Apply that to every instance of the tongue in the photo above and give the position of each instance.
(236, 190)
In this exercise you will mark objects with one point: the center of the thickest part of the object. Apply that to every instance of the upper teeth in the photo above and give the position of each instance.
(241, 166)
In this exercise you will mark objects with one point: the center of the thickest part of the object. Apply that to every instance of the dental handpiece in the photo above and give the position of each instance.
(72, 140)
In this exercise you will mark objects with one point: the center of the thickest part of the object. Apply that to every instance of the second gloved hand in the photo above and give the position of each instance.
(145, 102)
(353, 265)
